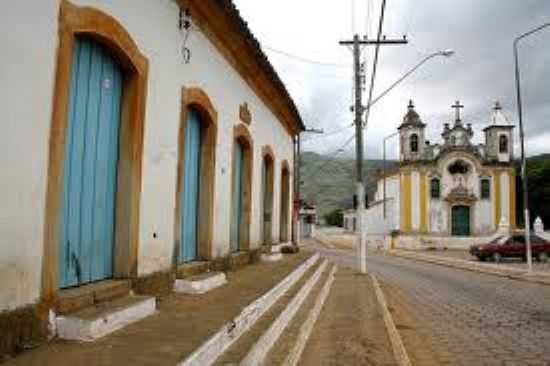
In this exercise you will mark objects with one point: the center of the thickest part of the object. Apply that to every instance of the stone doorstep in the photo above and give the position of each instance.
(271, 257)
(78, 298)
(192, 269)
(239, 260)
(100, 320)
(200, 284)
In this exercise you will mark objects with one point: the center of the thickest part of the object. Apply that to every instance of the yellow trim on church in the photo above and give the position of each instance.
(406, 218)
(512, 175)
(423, 203)
(497, 198)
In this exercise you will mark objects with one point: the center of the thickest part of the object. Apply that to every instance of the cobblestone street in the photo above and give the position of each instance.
(472, 319)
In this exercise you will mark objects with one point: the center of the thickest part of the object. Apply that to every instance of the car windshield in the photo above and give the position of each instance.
(500, 240)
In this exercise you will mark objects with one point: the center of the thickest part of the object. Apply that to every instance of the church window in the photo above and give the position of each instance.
(435, 188)
(503, 144)
(414, 143)
(459, 167)
(485, 189)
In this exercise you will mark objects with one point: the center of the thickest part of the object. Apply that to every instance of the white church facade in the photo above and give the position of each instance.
(447, 194)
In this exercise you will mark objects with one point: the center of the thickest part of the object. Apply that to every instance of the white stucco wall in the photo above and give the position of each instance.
(415, 200)
(28, 37)
(505, 198)
(375, 224)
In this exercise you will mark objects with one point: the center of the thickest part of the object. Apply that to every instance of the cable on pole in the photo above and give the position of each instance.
(375, 62)
(304, 59)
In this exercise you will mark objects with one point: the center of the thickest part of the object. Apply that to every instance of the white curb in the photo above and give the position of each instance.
(307, 327)
(73, 327)
(214, 347)
(201, 284)
(258, 352)
(399, 351)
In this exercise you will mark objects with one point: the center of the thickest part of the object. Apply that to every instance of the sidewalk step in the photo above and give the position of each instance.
(232, 331)
(200, 284)
(289, 347)
(256, 339)
(99, 320)
(271, 257)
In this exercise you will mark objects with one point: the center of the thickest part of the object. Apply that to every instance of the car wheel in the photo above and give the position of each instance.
(481, 258)
(497, 257)
(543, 257)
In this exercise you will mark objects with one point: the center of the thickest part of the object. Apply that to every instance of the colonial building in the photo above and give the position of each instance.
(454, 188)
(139, 139)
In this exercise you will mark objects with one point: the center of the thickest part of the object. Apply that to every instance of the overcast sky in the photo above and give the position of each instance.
(480, 31)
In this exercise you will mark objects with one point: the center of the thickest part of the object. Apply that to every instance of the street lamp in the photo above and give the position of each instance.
(445, 53)
(522, 140)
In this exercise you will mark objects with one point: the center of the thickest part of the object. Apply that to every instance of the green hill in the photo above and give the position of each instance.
(330, 182)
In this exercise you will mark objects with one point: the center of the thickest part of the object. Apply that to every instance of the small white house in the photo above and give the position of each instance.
(138, 138)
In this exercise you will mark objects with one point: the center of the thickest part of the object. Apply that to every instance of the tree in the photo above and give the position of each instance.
(335, 218)
(538, 184)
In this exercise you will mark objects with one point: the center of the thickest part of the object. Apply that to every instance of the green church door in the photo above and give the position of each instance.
(461, 221)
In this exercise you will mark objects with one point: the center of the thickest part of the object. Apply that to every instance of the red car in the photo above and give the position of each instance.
(511, 246)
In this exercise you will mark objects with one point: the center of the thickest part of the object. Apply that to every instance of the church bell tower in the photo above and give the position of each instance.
(412, 136)
(499, 137)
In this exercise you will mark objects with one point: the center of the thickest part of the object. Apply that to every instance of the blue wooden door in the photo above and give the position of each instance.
(90, 167)
(190, 190)
(236, 216)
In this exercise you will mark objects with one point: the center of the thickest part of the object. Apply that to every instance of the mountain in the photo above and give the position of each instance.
(330, 182)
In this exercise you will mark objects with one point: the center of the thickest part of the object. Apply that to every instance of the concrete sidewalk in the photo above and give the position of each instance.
(480, 267)
(350, 329)
(181, 324)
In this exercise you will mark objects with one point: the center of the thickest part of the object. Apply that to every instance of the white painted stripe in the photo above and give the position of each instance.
(415, 200)
(505, 197)
(259, 351)
(399, 350)
(307, 327)
(214, 347)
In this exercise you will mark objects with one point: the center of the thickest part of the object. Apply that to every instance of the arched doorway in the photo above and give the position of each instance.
(195, 181)
(241, 187)
(460, 218)
(285, 202)
(268, 163)
(190, 190)
(90, 166)
(96, 144)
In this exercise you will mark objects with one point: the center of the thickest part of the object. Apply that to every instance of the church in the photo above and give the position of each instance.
(454, 189)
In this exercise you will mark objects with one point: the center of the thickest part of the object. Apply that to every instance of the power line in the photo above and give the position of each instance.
(375, 63)
(328, 134)
(304, 59)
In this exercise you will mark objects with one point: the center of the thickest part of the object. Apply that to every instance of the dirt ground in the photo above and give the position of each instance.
(350, 329)
(417, 340)
(343, 241)
(179, 327)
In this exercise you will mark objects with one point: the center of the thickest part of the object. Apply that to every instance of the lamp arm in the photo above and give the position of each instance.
(398, 81)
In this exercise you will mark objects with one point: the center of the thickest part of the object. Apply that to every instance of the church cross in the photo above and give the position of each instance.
(457, 106)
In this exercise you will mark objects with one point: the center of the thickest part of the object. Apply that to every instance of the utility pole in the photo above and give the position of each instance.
(298, 183)
(359, 75)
